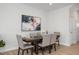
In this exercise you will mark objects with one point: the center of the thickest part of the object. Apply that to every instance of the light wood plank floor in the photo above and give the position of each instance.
(61, 50)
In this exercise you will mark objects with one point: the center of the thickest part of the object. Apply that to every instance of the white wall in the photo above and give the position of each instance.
(10, 22)
(58, 21)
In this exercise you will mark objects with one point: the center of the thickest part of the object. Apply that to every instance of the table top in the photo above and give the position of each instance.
(30, 39)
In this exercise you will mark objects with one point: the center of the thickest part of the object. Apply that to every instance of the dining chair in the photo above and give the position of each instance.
(57, 37)
(22, 46)
(45, 42)
(38, 39)
(32, 35)
(53, 40)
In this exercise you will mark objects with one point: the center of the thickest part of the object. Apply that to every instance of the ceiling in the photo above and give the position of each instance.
(47, 7)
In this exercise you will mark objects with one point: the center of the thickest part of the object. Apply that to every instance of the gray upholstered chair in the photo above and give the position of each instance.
(35, 35)
(57, 37)
(22, 46)
(53, 41)
(45, 42)
(32, 35)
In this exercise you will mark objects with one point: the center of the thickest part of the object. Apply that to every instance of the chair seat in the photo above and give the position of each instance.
(57, 40)
(53, 42)
(26, 43)
(41, 45)
(27, 46)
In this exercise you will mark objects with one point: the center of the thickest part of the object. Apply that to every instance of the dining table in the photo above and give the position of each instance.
(33, 41)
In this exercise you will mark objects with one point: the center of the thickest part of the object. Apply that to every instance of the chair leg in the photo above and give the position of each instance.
(49, 49)
(58, 43)
(55, 46)
(31, 51)
(18, 50)
(22, 52)
(42, 50)
(27, 51)
(36, 49)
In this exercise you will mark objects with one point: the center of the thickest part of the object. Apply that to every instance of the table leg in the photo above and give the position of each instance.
(36, 49)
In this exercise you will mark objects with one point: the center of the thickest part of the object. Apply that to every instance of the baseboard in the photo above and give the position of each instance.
(9, 49)
(74, 42)
(65, 44)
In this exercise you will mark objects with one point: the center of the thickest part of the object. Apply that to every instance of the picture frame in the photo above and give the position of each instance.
(30, 23)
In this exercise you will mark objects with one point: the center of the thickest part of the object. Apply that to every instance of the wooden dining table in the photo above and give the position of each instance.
(33, 41)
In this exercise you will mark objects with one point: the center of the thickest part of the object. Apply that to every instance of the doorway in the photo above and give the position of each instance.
(74, 25)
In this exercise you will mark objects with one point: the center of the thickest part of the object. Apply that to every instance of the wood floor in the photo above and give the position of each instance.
(61, 50)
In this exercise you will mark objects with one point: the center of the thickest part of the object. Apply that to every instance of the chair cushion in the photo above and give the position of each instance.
(27, 46)
(41, 45)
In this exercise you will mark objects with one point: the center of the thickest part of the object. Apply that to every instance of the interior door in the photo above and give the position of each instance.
(73, 27)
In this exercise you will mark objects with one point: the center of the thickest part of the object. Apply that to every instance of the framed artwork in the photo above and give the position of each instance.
(30, 23)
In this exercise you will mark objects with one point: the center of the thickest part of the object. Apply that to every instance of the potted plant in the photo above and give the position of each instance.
(2, 43)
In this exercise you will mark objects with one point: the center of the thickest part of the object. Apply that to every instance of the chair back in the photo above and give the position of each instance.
(32, 35)
(20, 42)
(35, 35)
(52, 39)
(46, 40)
(57, 34)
